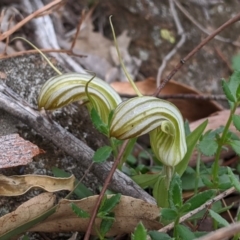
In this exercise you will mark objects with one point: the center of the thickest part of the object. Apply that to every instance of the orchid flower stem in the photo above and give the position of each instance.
(175, 234)
(113, 147)
(104, 188)
(169, 173)
(197, 172)
(221, 142)
(41, 53)
(120, 59)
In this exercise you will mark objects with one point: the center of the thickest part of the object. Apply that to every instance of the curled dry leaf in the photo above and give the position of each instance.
(128, 213)
(16, 151)
(192, 110)
(215, 121)
(18, 185)
(26, 212)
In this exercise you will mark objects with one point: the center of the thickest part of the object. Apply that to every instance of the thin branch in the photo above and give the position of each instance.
(68, 52)
(223, 233)
(182, 40)
(106, 183)
(203, 29)
(223, 58)
(197, 210)
(28, 18)
(183, 96)
(195, 50)
(83, 15)
(46, 37)
(18, 107)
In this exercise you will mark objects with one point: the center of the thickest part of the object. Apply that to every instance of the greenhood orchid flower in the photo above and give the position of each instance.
(66, 88)
(161, 119)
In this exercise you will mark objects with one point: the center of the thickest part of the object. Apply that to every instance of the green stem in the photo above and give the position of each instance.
(221, 142)
(120, 59)
(115, 152)
(175, 233)
(169, 174)
(41, 53)
(197, 173)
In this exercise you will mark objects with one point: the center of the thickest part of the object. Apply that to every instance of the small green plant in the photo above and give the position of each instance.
(171, 141)
(104, 212)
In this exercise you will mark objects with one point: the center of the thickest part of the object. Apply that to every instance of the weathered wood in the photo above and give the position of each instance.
(16, 71)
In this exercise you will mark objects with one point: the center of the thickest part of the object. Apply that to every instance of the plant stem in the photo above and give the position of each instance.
(221, 142)
(195, 50)
(106, 183)
(175, 233)
(197, 173)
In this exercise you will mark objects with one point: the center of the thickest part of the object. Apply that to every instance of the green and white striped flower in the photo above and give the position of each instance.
(66, 88)
(161, 119)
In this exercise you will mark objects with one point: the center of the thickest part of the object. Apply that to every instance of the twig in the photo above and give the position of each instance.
(223, 233)
(195, 50)
(202, 207)
(42, 50)
(16, 106)
(182, 40)
(83, 15)
(220, 54)
(106, 183)
(183, 96)
(203, 29)
(28, 18)
(46, 37)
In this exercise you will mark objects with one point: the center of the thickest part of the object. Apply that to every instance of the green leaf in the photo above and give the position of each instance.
(168, 214)
(106, 225)
(145, 180)
(199, 199)
(128, 149)
(207, 182)
(185, 208)
(234, 82)
(25, 237)
(187, 128)
(227, 91)
(98, 123)
(218, 218)
(234, 180)
(102, 154)
(236, 62)
(81, 190)
(208, 146)
(175, 192)
(155, 235)
(79, 212)
(238, 93)
(235, 144)
(110, 203)
(140, 232)
(160, 192)
(184, 232)
(236, 121)
(192, 140)
(187, 181)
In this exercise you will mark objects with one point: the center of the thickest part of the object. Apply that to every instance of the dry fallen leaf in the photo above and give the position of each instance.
(18, 185)
(191, 109)
(15, 151)
(26, 212)
(128, 213)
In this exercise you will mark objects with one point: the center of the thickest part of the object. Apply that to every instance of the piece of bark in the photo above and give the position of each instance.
(26, 75)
